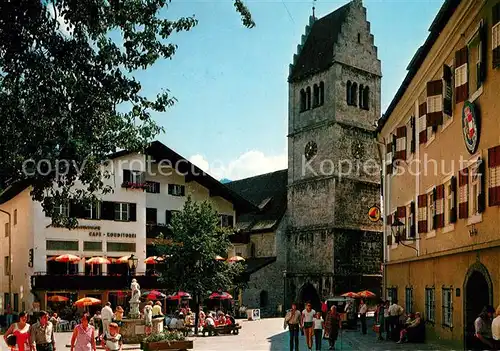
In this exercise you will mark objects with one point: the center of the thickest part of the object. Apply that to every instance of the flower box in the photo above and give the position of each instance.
(132, 185)
(167, 345)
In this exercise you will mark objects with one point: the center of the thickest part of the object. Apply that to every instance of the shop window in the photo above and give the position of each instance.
(92, 246)
(61, 245)
(120, 247)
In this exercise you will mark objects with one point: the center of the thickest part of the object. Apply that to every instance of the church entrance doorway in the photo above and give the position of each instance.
(308, 293)
(478, 293)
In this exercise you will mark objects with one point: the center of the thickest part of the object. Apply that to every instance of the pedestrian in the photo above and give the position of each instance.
(42, 334)
(119, 315)
(292, 321)
(106, 317)
(319, 324)
(148, 317)
(395, 312)
(380, 319)
(112, 340)
(362, 315)
(387, 320)
(83, 338)
(307, 324)
(8, 314)
(19, 334)
(482, 326)
(332, 325)
(495, 327)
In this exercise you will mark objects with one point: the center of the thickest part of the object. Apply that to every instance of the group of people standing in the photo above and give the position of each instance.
(388, 317)
(21, 336)
(312, 325)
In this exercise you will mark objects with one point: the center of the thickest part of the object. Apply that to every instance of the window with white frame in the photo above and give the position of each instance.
(93, 210)
(448, 202)
(430, 304)
(495, 42)
(475, 183)
(461, 75)
(475, 53)
(432, 211)
(121, 211)
(409, 300)
(448, 307)
(176, 190)
(434, 103)
(62, 209)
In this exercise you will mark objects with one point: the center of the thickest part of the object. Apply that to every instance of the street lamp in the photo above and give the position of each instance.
(397, 230)
(132, 263)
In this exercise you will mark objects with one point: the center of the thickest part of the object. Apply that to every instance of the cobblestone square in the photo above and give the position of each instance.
(268, 335)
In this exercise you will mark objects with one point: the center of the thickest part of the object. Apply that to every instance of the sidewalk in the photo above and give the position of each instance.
(355, 340)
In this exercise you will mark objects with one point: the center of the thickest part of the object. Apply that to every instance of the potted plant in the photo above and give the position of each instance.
(168, 340)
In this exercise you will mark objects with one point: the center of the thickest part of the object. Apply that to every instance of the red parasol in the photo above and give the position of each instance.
(351, 295)
(87, 301)
(366, 294)
(57, 298)
(220, 296)
(67, 258)
(153, 295)
(181, 295)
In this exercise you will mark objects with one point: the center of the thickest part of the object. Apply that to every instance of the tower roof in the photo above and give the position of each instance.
(317, 52)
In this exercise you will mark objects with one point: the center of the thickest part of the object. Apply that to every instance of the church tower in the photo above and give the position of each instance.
(333, 174)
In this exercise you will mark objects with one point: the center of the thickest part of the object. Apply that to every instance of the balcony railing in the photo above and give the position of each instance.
(45, 281)
(153, 230)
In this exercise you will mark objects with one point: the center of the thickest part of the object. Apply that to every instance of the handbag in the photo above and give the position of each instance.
(11, 340)
(376, 328)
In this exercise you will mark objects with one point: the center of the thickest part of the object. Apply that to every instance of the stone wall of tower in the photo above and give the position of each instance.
(329, 235)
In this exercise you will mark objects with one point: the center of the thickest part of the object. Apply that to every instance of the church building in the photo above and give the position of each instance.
(333, 178)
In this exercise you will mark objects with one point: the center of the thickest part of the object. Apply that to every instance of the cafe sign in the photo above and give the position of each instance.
(470, 127)
(113, 235)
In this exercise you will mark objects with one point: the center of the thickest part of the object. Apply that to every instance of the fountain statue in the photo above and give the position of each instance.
(135, 300)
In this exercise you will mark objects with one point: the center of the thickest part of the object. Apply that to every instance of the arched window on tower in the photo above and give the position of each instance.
(354, 93)
(348, 91)
(302, 100)
(366, 98)
(308, 98)
(361, 96)
(321, 93)
(315, 95)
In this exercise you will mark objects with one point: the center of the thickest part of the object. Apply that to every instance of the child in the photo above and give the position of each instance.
(318, 324)
(112, 341)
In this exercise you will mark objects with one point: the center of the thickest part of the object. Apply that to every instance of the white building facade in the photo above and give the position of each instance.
(145, 193)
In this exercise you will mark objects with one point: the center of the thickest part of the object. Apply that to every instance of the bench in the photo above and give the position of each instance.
(417, 334)
(223, 329)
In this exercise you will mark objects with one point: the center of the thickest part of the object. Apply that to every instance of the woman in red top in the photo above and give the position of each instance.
(21, 331)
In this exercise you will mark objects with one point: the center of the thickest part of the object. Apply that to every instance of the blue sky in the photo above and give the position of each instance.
(231, 82)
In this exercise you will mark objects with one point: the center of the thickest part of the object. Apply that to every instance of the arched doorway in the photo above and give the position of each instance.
(478, 292)
(308, 293)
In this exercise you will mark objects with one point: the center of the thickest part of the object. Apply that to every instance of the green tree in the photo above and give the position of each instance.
(197, 238)
(67, 87)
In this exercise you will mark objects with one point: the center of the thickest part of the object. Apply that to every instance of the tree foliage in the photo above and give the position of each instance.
(67, 86)
(197, 238)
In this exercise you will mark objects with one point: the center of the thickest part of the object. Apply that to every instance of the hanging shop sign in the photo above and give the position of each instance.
(374, 214)
(470, 127)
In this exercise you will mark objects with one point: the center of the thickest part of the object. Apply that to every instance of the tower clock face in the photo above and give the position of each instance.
(310, 150)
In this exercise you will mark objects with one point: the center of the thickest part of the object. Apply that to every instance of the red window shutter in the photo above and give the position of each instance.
(462, 91)
(412, 220)
(481, 198)
(434, 88)
(463, 185)
(496, 20)
(494, 177)
(422, 135)
(453, 191)
(401, 213)
(422, 220)
(440, 204)
(401, 143)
